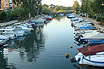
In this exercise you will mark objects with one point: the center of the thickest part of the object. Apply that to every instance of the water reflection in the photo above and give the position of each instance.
(58, 18)
(32, 45)
(27, 48)
(4, 62)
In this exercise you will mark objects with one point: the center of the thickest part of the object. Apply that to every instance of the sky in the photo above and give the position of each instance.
(60, 2)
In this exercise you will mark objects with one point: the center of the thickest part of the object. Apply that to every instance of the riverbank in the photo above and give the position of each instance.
(16, 21)
(96, 23)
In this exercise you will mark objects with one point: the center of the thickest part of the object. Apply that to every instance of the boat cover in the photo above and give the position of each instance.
(92, 50)
(96, 41)
(87, 27)
(31, 22)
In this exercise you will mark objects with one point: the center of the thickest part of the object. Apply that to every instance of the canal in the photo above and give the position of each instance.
(44, 48)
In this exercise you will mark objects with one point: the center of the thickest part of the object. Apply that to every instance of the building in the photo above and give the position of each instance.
(1, 5)
(12, 4)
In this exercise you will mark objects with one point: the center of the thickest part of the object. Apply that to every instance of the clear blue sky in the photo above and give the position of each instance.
(59, 2)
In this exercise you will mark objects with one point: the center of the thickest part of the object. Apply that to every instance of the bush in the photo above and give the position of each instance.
(2, 16)
(101, 19)
(94, 17)
(98, 19)
(89, 16)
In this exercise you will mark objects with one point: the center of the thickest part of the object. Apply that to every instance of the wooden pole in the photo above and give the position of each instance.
(89, 52)
(89, 49)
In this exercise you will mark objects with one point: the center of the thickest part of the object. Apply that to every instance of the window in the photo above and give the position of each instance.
(6, 4)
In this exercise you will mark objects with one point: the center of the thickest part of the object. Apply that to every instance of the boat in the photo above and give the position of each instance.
(61, 14)
(70, 16)
(79, 32)
(81, 21)
(82, 25)
(3, 40)
(91, 55)
(8, 31)
(96, 41)
(39, 22)
(93, 49)
(92, 36)
(75, 19)
(47, 17)
(92, 60)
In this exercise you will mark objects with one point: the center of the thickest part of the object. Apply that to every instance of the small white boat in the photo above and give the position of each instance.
(71, 16)
(80, 32)
(75, 19)
(93, 60)
(92, 36)
(61, 14)
(91, 55)
(38, 22)
(19, 32)
(82, 25)
(3, 39)
(14, 31)
(81, 21)
(8, 31)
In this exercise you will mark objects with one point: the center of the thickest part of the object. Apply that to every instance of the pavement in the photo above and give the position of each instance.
(7, 23)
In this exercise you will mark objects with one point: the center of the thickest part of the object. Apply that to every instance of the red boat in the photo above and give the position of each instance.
(47, 19)
(92, 50)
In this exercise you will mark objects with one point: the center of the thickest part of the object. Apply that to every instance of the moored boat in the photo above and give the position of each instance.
(91, 55)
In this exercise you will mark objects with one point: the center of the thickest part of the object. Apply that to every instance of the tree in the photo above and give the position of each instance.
(76, 6)
(58, 8)
(21, 12)
(9, 14)
(33, 6)
(46, 11)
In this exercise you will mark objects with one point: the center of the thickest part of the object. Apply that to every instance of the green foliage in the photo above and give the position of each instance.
(46, 11)
(21, 12)
(2, 16)
(92, 7)
(58, 8)
(101, 19)
(9, 14)
(33, 6)
(55, 9)
(76, 6)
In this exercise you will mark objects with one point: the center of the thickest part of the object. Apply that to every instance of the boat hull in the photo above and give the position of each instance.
(84, 61)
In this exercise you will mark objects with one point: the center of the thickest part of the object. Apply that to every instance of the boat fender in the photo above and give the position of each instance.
(71, 46)
(72, 59)
(67, 55)
(77, 43)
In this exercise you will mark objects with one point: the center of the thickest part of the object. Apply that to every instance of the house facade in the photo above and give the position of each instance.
(12, 4)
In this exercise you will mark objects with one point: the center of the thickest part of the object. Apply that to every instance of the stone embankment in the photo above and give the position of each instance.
(96, 23)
